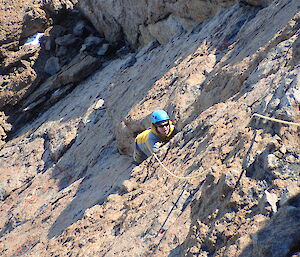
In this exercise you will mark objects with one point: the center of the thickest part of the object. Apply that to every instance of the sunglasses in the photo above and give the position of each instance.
(162, 125)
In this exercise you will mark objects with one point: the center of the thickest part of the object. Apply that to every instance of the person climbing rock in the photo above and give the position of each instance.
(149, 141)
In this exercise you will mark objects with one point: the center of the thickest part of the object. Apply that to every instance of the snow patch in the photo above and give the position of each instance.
(35, 39)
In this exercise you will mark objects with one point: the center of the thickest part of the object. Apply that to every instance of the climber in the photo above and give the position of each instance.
(149, 141)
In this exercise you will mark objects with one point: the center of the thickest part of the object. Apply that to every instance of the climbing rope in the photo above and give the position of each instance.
(197, 176)
(276, 120)
(171, 173)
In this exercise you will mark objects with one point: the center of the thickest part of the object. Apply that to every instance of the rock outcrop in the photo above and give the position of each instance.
(141, 22)
(68, 186)
(45, 40)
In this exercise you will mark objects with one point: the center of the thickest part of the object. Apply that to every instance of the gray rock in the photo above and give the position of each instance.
(129, 62)
(290, 99)
(49, 44)
(52, 65)
(259, 3)
(103, 50)
(228, 181)
(92, 40)
(81, 168)
(148, 48)
(296, 50)
(56, 31)
(271, 162)
(61, 51)
(171, 26)
(74, 72)
(66, 40)
(79, 29)
(3, 193)
(116, 20)
(268, 203)
(280, 236)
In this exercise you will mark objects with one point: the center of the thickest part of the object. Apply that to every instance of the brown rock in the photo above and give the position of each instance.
(210, 81)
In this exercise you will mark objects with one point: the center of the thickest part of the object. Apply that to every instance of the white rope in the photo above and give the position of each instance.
(276, 120)
(171, 173)
(197, 176)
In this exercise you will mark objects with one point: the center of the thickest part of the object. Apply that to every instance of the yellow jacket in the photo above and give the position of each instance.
(150, 140)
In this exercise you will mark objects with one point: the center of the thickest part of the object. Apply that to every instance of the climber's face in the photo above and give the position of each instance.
(163, 128)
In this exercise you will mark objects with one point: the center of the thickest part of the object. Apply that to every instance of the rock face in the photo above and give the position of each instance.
(141, 22)
(67, 183)
(29, 58)
(5, 127)
(144, 21)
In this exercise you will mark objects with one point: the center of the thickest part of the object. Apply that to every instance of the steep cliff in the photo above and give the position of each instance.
(69, 188)
(141, 22)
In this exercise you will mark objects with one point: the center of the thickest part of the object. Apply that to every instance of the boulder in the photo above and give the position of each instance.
(166, 29)
(61, 51)
(55, 31)
(79, 29)
(52, 65)
(66, 40)
(49, 44)
(35, 20)
(103, 50)
(92, 40)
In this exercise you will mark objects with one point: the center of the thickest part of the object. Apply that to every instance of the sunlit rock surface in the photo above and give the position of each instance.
(68, 185)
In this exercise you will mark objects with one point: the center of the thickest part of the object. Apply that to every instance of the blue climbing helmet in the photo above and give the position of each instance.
(159, 116)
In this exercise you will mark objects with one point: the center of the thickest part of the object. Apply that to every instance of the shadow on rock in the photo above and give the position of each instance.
(281, 236)
(47, 66)
(94, 183)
